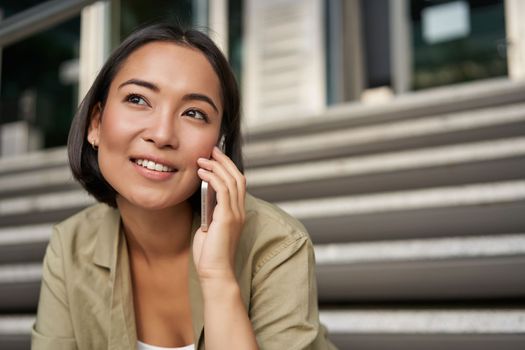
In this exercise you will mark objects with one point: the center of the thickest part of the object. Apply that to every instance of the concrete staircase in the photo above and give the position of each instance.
(416, 208)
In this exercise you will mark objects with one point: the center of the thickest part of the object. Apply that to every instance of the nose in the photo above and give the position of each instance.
(161, 130)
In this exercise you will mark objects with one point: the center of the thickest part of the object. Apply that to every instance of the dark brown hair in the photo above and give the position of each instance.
(83, 158)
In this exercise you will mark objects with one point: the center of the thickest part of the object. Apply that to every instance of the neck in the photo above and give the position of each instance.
(156, 234)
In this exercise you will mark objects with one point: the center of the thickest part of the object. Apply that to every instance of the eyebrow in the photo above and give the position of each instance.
(142, 83)
(155, 88)
(200, 97)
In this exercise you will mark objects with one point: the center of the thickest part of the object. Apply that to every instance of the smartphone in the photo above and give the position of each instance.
(208, 198)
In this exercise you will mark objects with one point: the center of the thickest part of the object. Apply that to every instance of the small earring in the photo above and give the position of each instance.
(95, 147)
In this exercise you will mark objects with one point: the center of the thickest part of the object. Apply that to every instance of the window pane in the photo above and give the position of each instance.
(235, 32)
(457, 41)
(9, 8)
(39, 82)
(136, 13)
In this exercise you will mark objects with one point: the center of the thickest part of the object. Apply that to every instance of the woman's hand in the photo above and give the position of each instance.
(226, 321)
(214, 250)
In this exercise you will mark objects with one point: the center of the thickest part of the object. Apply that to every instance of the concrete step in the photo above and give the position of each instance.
(24, 243)
(435, 101)
(470, 126)
(15, 331)
(477, 209)
(19, 287)
(474, 162)
(45, 159)
(456, 268)
(37, 181)
(430, 329)
(42, 208)
(388, 329)
(485, 161)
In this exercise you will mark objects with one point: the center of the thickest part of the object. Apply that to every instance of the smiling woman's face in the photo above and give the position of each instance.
(162, 113)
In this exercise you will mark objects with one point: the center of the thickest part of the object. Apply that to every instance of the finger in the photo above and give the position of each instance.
(240, 179)
(223, 196)
(217, 168)
(223, 159)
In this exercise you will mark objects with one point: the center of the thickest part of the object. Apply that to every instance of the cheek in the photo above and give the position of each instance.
(113, 130)
(201, 146)
(114, 140)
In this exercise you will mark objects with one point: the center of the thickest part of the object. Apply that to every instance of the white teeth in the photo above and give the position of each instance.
(152, 165)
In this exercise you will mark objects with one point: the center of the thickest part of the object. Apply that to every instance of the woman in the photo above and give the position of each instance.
(136, 271)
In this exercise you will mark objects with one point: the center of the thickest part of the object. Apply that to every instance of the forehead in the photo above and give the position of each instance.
(170, 66)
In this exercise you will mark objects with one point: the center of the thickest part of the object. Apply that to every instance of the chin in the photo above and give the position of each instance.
(153, 206)
(149, 202)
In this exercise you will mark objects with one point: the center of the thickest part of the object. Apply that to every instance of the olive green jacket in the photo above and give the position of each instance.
(86, 297)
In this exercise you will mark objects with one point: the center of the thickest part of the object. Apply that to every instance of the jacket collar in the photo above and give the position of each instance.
(111, 252)
(106, 247)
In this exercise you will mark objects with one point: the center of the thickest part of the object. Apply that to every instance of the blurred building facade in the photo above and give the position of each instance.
(394, 129)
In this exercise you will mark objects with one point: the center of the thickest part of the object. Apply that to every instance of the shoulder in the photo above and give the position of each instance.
(270, 234)
(87, 221)
(261, 214)
(78, 233)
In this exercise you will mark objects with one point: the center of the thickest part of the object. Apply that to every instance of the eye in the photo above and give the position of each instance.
(196, 114)
(136, 100)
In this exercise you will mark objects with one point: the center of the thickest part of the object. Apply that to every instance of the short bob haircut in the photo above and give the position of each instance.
(83, 157)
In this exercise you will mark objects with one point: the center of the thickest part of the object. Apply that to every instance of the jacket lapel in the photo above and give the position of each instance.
(106, 247)
(123, 313)
(111, 253)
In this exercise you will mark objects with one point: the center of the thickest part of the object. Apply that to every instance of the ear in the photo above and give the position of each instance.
(93, 135)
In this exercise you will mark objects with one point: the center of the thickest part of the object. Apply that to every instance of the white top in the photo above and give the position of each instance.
(144, 346)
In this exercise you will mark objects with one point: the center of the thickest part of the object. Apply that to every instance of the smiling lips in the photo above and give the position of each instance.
(151, 165)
